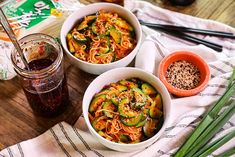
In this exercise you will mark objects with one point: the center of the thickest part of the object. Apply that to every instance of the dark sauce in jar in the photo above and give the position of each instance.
(51, 101)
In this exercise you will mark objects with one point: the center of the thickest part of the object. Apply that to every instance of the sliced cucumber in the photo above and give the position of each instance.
(114, 57)
(140, 92)
(132, 34)
(150, 127)
(83, 25)
(148, 89)
(154, 112)
(96, 102)
(94, 28)
(132, 121)
(99, 123)
(108, 26)
(140, 98)
(158, 101)
(125, 110)
(69, 36)
(119, 87)
(115, 101)
(90, 19)
(86, 22)
(71, 48)
(108, 108)
(142, 122)
(77, 46)
(123, 24)
(79, 37)
(101, 133)
(70, 44)
(147, 105)
(124, 138)
(116, 35)
(109, 93)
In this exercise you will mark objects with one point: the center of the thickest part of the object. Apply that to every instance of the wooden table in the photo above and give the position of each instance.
(17, 121)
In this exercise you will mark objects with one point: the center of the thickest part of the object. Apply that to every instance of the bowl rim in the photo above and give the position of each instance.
(153, 138)
(182, 92)
(109, 5)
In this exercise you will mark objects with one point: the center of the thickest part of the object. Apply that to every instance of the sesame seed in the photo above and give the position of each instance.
(183, 75)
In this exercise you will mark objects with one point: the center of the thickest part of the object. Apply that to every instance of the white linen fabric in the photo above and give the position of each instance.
(65, 140)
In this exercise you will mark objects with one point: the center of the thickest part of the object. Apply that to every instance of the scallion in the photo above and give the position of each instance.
(212, 129)
(208, 126)
(227, 153)
(208, 149)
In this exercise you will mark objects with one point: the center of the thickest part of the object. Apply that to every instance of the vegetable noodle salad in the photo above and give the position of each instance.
(101, 38)
(129, 111)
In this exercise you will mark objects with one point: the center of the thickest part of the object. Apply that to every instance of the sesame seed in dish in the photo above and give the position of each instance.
(183, 75)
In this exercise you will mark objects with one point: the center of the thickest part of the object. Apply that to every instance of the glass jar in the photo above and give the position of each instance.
(44, 83)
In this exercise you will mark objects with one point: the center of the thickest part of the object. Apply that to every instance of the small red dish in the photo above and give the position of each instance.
(189, 57)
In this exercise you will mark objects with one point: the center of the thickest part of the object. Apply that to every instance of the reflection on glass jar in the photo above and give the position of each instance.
(44, 83)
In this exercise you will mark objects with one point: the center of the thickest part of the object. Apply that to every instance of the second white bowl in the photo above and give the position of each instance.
(113, 76)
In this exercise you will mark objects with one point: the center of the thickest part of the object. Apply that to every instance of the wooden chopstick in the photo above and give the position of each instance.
(189, 30)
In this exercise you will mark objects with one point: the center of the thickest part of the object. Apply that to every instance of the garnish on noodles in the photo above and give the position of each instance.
(101, 38)
(128, 111)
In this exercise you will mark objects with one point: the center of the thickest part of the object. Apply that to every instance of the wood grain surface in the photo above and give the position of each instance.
(17, 121)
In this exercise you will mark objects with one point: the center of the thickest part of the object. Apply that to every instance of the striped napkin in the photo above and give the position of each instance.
(65, 140)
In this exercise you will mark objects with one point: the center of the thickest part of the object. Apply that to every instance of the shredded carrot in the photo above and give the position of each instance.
(91, 118)
(114, 128)
(100, 110)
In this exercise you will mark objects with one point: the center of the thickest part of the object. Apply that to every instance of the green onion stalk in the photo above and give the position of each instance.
(227, 153)
(211, 123)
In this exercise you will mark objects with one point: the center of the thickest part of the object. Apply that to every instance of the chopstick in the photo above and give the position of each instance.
(186, 37)
(182, 35)
(189, 30)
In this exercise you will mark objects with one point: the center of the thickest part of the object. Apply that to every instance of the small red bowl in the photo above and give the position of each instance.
(190, 57)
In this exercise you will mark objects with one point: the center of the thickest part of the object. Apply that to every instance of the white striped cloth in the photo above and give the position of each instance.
(65, 140)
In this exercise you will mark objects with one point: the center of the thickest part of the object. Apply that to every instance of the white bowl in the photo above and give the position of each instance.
(91, 9)
(113, 76)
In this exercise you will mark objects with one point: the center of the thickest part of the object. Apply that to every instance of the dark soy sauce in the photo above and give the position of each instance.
(51, 101)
